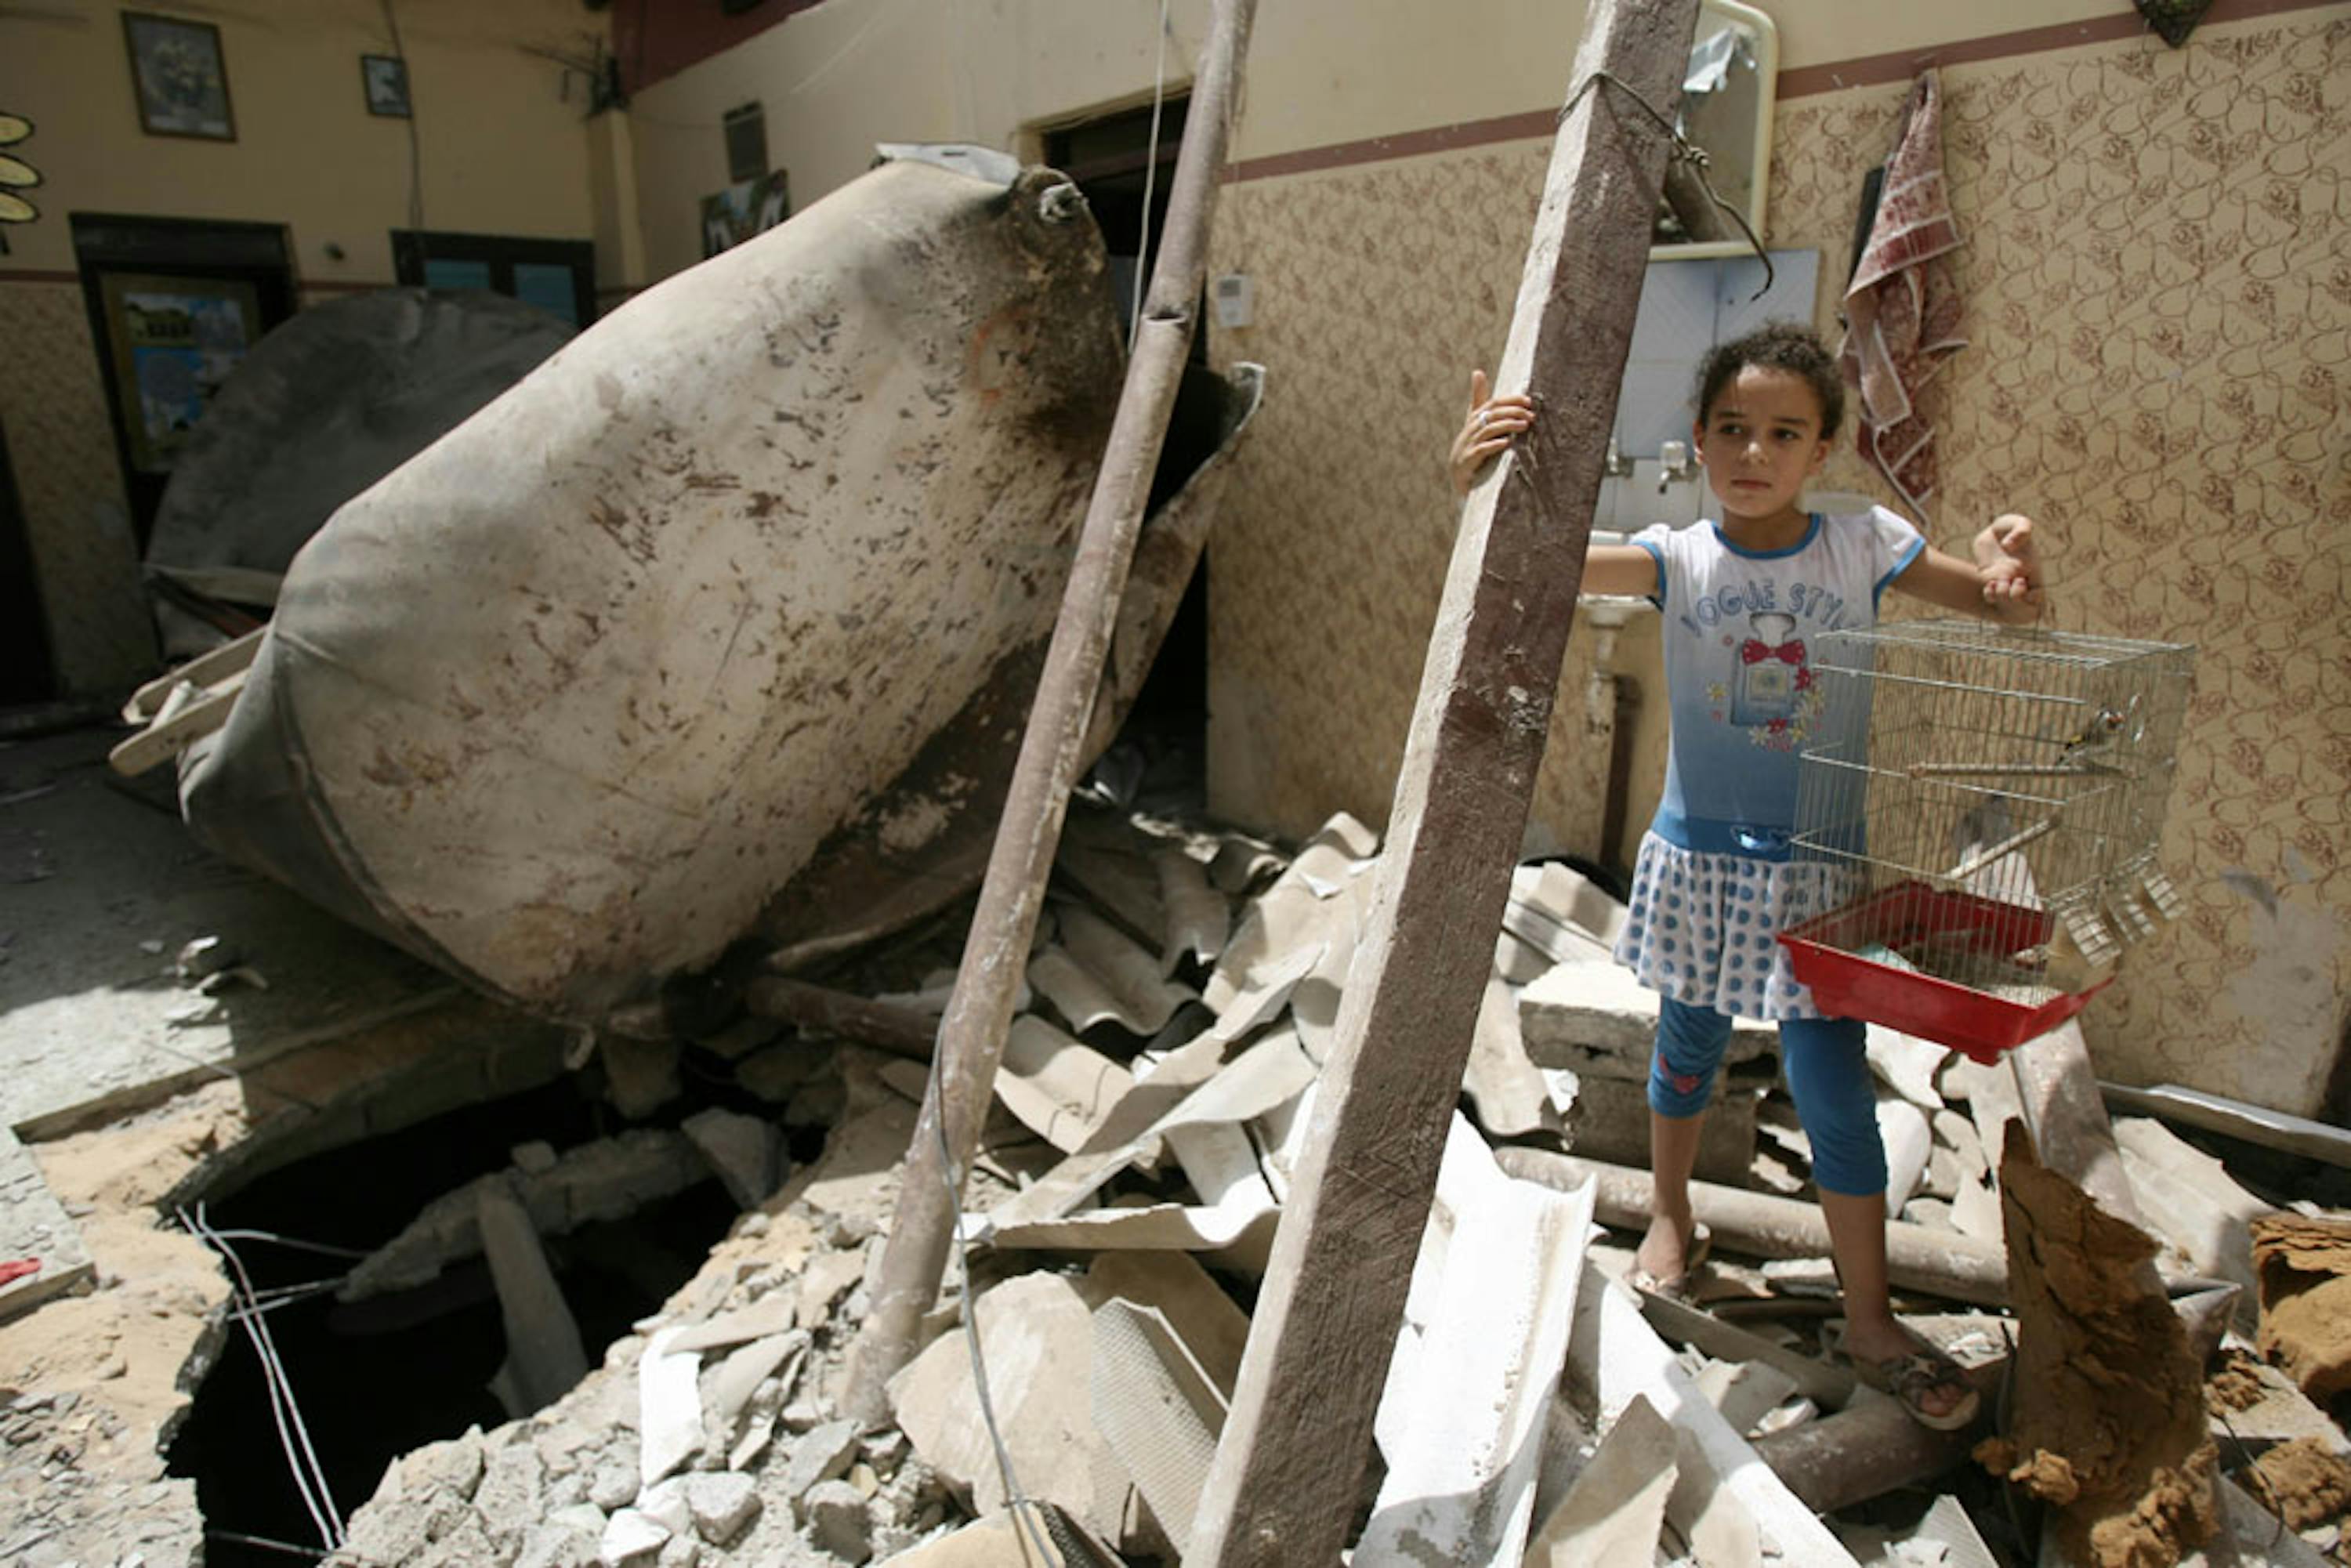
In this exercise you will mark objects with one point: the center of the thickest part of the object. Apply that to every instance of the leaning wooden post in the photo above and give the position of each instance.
(971, 1036)
(1288, 1468)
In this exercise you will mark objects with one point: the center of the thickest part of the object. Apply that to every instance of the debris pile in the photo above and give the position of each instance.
(1157, 1093)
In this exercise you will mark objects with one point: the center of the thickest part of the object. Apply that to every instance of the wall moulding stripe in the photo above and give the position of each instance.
(1803, 81)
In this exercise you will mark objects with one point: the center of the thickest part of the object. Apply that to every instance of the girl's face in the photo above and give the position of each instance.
(1761, 440)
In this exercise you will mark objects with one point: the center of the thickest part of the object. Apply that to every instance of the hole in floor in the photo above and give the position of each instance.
(376, 1378)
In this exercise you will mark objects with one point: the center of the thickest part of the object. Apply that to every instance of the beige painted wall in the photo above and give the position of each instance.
(2130, 418)
(839, 78)
(501, 152)
(2158, 312)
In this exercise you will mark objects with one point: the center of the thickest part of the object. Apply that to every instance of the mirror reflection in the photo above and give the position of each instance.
(1726, 97)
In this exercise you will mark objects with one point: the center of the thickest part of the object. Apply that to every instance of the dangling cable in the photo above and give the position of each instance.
(1150, 176)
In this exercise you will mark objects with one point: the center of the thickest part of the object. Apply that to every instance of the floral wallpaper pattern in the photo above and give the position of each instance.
(2158, 284)
(69, 484)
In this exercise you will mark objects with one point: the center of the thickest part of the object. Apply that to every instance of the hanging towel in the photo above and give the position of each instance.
(1902, 313)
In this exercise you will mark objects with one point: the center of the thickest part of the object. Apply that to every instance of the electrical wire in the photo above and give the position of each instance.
(1150, 173)
(309, 1476)
(416, 151)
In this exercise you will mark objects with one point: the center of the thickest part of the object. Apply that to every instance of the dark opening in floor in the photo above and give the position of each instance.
(374, 1379)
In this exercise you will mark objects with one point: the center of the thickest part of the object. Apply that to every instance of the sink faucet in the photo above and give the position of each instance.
(1616, 466)
(1676, 462)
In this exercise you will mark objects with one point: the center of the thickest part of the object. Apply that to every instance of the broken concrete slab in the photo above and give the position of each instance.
(1592, 1018)
(1026, 1324)
(607, 1179)
(1610, 1122)
(545, 1357)
(1745, 1392)
(1511, 1095)
(1908, 1065)
(1903, 1131)
(821, 1454)
(999, 1539)
(1616, 1508)
(745, 1153)
(669, 1411)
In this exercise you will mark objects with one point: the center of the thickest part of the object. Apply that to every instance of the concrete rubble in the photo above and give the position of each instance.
(1157, 1091)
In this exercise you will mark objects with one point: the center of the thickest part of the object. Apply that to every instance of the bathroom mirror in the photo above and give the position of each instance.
(1726, 97)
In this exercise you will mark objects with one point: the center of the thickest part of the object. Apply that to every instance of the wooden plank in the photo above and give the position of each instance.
(206, 669)
(177, 726)
(1290, 1466)
(971, 1036)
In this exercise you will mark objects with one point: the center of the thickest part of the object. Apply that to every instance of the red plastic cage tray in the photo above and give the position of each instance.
(1845, 985)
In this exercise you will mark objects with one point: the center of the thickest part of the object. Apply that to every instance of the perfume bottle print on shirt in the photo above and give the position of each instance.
(1770, 667)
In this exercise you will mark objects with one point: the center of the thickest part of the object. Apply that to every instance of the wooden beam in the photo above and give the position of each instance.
(1290, 1465)
(971, 1036)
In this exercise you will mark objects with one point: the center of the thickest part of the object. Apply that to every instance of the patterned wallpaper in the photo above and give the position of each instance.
(61, 445)
(2158, 277)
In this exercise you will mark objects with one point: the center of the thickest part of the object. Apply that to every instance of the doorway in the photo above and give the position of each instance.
(175, 304)
(1125, 173)
(27, 675)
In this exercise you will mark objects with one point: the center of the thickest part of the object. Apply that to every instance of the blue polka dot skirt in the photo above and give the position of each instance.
(1701, 926)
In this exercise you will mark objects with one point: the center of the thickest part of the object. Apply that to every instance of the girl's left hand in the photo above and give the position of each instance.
(2011, 564)
(1492, 424)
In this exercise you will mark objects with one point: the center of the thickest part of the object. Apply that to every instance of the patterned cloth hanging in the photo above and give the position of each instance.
(1901, 309)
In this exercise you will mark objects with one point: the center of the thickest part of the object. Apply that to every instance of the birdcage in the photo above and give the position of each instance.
(1985, 803)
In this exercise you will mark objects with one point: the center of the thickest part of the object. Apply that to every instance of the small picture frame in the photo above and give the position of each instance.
(385, 77)
(179, 77)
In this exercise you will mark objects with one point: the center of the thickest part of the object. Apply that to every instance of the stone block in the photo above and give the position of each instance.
(1594, 1019)
(840, 1521)
(1610, 1120)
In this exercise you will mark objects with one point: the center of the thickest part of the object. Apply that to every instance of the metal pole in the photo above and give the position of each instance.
(971, 1036)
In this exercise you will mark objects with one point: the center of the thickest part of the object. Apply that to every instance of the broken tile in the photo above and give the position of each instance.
(1908, 1065)
(669, 1411)
(2188, 1198)
(1157, 1409)
(1467, 1397)
(1098, 974)
(1212, 1328)
(1199, 921)
(1060, 1088)
(1506, 1088)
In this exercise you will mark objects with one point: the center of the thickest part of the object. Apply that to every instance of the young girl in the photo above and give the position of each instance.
(1714, 879)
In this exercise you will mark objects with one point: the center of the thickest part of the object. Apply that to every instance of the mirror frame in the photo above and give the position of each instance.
(1767, 66)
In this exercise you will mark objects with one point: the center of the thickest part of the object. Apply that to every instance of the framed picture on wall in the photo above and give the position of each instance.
(179, 77)
(173, 340)
(385, 77)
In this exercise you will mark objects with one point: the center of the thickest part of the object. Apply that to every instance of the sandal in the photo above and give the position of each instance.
(1912, 1376)
(1681, 1287)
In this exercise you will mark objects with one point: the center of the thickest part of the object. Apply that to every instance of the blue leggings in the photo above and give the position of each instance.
(1827, 1072)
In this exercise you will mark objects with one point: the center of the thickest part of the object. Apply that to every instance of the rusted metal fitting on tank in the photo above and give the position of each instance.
(1061, 202)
